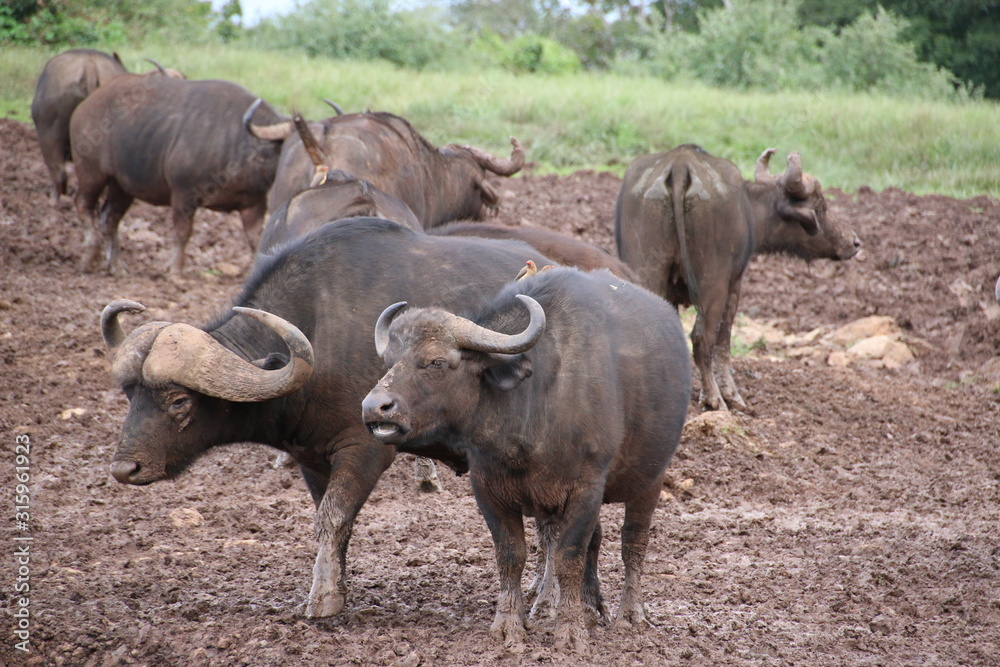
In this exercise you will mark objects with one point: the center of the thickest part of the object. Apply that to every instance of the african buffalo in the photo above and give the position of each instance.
(688, 224)
(293, 378)
(567, 390)
(565, 250)
(169, 142)
(340, 196)
(66, 80)
(438, 184)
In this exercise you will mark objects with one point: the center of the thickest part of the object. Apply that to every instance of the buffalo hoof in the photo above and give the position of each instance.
(327, 603)
(509, 628)
(573, 639)
(631, 620)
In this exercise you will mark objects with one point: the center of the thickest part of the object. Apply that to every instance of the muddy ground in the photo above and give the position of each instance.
(852, 519)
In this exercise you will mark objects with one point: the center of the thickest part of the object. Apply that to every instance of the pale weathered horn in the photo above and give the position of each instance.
(316, 152)
(762, 172)
(334, 106)
(111, 328)
(794, 181)
(157, 65)
(277, 132)
(185, 355)
(497, 165)
(382, 326)
(472, 336)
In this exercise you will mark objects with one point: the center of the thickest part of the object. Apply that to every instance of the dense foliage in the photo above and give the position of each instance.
(942, 48)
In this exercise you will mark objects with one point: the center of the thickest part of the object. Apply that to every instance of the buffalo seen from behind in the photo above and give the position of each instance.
(168, 142)
(293, 376)
(688, 224)
(437, 184)
(566, 391)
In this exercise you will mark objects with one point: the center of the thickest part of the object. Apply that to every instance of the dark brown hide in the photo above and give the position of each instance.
(66, 80)
(340, 197)
(437, 184)
(688, 224)
(565, 250)
(171, 143)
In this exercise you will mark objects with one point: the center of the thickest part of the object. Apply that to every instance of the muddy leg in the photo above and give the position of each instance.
(426, 475)
(592, 599)
(730, 392)
(182, 215)
(115, 205)
(545, 585)
(579, 524)
(86, 200)
(356, 467)
(635, 539)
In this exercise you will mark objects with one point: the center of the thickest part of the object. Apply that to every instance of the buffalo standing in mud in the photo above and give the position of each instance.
(293, 373)
(66, 80)
(567, 390)
(438, 184)
(176, 143)
(688, 224)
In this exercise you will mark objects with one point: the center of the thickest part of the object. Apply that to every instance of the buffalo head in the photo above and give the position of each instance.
(187, 392)
(437, 363)
(796, 199)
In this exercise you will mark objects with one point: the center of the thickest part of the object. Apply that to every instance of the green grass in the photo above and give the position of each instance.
(603, 121)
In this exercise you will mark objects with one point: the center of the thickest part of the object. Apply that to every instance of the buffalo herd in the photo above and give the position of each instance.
(381, 315)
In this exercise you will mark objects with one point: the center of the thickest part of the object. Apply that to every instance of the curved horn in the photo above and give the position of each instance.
(316, 152)
(111, 328)
(158, 66)
(382, 326)
(762, 172)
(497, 165)
(277, 132)
(191, 358)
(334, 106)
(472, 336)
(796, 183)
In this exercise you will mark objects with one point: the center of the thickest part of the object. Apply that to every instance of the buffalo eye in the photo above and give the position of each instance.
(435, 364)
(178, 405)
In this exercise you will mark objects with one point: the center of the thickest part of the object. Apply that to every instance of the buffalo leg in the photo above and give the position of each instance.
(635, 539)
(730, 392)
(356, 466)
(704, 338)
(53, 141)
(182, 215)
(426, 475)
(507, 528)
(545, 586)
(115, 205)
(581, 521)
(253, 223)
(88, 195)
(592, 599)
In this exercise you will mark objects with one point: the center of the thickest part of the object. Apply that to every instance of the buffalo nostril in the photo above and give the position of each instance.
(387, 407)
(123, 470)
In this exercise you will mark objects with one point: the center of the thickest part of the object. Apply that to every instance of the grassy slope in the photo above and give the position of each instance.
(604, 121)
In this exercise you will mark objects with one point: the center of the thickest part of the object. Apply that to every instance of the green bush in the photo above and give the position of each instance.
(539, 55)
(354, 29)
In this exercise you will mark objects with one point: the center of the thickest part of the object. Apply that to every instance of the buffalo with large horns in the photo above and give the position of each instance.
(438, 184)
(688, 224)
(291, 369)
(568, 390)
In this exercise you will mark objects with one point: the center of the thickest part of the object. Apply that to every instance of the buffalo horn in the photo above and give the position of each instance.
(497, 165)
(762, 172)
(382, 326)
(158, 66)
(334, 106)
(277, 132)
(472, 336)
(111, 328)
(316, 153)
(796, 183)
(191, 358)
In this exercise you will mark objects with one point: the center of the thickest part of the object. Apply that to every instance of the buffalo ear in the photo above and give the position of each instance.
(272, 362)
(806, 217)
(505, 371)
(489, 193)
